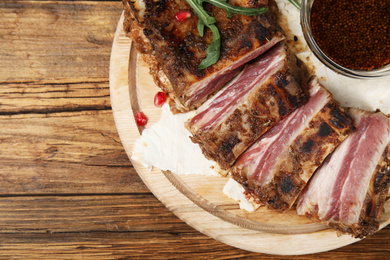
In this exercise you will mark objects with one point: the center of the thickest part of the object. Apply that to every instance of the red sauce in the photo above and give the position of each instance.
(353, 33)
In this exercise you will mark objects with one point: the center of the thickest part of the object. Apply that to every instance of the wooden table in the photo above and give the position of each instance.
(67, 188)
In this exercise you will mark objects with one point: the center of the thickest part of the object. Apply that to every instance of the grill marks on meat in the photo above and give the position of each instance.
(348, 192)
(266, 91)
(276, 167)
(174, 50)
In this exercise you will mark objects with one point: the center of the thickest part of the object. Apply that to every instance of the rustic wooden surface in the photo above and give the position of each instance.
(67, 188)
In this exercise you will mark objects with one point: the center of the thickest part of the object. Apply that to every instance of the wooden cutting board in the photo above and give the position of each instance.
(198, 200)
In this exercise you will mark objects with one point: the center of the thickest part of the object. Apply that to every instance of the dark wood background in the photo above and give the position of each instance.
(67, 188)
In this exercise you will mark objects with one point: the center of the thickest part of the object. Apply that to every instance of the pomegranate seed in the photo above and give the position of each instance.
(141, 119)
(159, 99)
(182, 16)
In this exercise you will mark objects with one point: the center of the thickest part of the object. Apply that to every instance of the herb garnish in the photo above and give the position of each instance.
(205, 19)
(295, 3)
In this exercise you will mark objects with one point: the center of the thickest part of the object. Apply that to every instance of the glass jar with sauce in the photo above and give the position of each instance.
(352, 37)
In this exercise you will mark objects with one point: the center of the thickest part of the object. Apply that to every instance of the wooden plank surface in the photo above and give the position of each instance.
(138, 225)
(60, 135)
(56, 40)
(152, 245)
(67, 189)
(64, 152)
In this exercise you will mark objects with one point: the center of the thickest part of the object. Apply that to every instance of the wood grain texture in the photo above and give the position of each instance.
(56, 40)
(36, 97)
(99, 213)
(67, 189)
(60, 135)
(135, 226)
(64, 153)
(153, 245)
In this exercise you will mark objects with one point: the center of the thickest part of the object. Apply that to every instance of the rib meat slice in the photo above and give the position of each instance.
(174, 50)
(348, 192)
(276, 167)
(266, 91)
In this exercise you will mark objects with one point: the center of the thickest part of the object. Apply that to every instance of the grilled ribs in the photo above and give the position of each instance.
(264, 108)
(348, 192)
(174, 50)
(266, 91)
(277, 167)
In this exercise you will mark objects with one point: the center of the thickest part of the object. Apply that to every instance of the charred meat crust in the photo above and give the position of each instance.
(364, 218)
(307, 152)
(176, 49)
(280, 96)
(373, 206)
(133, 30)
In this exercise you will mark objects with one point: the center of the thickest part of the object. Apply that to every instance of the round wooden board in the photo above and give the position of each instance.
(198, 200)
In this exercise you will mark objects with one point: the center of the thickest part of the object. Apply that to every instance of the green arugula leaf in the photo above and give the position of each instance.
(200, 28)
(206, 20)
(296, 4)
(229, 9)
(213, 51)
(202, 14)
